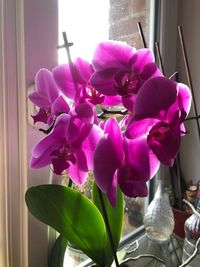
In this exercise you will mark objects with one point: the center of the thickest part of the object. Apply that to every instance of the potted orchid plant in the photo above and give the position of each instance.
(122, 147)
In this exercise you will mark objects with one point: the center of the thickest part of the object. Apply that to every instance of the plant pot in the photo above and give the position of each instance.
(180, 217)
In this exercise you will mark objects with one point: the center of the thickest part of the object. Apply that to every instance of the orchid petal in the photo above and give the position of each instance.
(112, 192)
(139, 128)
(89, 144)
(68, 80)
(103, 82)
(59, 106)
(77, 175)
(45, 85)
(38, 100)
(106, 162)
(112, 128)
(52, 141)
(149, 71)
(85, 69)
(156, 96)
(165, 143)
(82, 118)
(185, 98)
(112, 54)
(128, 102)
(145, 56)
(140, 157)
(112, 100)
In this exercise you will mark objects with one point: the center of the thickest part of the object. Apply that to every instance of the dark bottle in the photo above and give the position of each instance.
(192, 233)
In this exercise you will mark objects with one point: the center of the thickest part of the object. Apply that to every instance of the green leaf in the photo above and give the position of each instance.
(115, 218)
(70, 213)
(58, 252)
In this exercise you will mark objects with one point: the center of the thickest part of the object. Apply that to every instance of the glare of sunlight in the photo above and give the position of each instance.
(85, 23)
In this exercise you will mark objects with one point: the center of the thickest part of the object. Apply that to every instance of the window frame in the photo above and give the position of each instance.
(13, 178)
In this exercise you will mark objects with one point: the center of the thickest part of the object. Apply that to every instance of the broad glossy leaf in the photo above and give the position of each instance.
(72, 215)
(115, 217)
(58, 252)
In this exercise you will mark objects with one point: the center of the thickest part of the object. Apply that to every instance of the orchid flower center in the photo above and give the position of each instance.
(128, 83)
(158, 134)
(61, 158)
(93, 95)
(65, 153)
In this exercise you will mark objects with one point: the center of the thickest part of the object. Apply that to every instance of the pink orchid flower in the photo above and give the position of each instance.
(73, 80)
(121, 70)
(160, 110)
(70, 145)
(126, 162)
(47, 97)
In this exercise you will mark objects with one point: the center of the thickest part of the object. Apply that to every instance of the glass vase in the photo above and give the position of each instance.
(159, 220)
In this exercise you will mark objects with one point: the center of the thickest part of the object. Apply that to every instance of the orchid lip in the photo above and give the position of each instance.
(65, 153)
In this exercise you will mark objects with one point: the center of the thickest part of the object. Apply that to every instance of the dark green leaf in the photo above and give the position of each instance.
(115, 217)
(58, 252)
(72, 215)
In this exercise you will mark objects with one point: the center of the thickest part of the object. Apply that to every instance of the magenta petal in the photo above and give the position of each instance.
(82, 118)
(157, 95)
(103, 82)
(129, 184)
(145, 56)
(148, 71)
(38, 100)
(52, 141)
(106, 162)
(68, 80)
(112, 54)
(45, 85)
(184, 97)
(139, 128)
(45, 147)
(112, 100)
(128, 102)
(112, 128)
(112, 192)
(140, 158)
(89, 144)
(165, 142)
(40, 162)
(85, 69)
(59, 106)
(78, 176)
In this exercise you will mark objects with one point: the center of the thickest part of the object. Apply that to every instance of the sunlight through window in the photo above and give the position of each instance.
(86, 23)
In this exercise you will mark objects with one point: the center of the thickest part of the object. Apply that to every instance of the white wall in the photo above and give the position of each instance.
(41, 40)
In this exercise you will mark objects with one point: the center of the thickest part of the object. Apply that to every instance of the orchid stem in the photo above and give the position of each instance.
(108, 227)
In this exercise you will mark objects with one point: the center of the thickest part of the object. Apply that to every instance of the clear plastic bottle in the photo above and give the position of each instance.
(192, 233)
